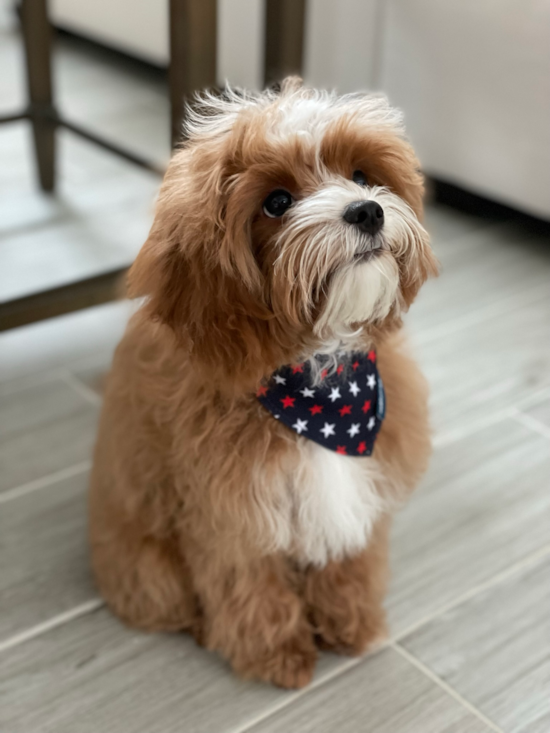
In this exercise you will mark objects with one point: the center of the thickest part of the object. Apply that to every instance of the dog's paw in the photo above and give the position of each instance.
(290, 666)
(353, 635)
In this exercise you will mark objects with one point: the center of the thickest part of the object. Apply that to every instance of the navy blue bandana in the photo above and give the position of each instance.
(343, 413)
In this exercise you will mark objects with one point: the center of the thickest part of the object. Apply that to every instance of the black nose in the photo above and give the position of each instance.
(367, 215)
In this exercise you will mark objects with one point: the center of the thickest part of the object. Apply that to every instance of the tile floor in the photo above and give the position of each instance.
(470, 597)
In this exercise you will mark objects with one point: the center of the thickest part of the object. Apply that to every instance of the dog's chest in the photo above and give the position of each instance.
(334, 503)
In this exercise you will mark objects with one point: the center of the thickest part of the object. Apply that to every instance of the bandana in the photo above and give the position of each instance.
(343, 413)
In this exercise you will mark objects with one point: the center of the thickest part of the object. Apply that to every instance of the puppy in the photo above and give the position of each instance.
(245, 472)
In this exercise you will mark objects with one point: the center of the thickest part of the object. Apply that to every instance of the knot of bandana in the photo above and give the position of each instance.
(343, 413)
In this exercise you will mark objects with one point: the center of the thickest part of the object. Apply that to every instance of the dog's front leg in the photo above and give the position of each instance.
(345, 598)
(251, 614)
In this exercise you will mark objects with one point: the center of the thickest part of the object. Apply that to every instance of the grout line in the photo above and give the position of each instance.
(52, 623)
(292, 697)
(534, 399)
(102, 359)
(444, 686)
(459, 323)
(445, 439)
(83, 390)
(532, 423)
(452, 436)
(13, 385)
(45, 481)
(475, 591)
(393, 643)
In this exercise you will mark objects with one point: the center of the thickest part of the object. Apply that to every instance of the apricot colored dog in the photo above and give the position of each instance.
(262, 419)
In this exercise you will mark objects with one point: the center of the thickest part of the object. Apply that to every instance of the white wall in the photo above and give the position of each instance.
(139, 27)
(473, 77)
(342, 41)
(240, 42)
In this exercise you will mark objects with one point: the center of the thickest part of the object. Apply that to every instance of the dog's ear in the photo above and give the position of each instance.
(423, 265)
(198, 270)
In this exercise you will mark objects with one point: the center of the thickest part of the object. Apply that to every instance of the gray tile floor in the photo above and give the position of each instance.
(470, 597)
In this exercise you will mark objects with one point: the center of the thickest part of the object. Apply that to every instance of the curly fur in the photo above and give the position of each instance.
(205, 513)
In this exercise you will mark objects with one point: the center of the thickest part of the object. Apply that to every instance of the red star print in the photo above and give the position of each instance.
(316, 409)
(366, 406)
(371, 356)
(362, 447)
(288, 401)
(355, 365)
(345, 410)
(340, 369)
(324, 373)
(298, 368)
(341, 449)
(262, 391)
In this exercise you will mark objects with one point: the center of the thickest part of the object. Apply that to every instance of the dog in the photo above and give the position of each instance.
(242, 488)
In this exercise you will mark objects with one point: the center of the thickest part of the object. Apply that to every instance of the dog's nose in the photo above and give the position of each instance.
(367, 215)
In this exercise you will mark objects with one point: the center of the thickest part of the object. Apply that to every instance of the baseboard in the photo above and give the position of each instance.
(459, 198)
(106, 52)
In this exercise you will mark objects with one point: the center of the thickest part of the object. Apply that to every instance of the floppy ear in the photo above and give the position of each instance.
(199, 272)
(402, 171)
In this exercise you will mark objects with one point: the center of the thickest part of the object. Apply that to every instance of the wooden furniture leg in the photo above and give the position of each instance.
(284, 38)
(193, 35)
(37, 37)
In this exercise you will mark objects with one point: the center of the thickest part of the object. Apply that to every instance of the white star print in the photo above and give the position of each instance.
(276, 417)
(300, 425)
(371, 381)
(327, 429)
(354, 429)
(279, 379)
(371, 423)
(307, 392)
(335, 394)
(353, 388)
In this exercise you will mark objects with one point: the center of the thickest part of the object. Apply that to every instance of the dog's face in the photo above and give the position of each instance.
(289, 224)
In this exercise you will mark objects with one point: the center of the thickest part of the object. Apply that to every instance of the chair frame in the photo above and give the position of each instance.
(193, 40)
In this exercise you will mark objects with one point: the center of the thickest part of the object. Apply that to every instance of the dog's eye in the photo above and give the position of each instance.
(359, 177)
(277, 203)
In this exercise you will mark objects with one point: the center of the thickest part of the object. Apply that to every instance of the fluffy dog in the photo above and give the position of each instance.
(287, 232)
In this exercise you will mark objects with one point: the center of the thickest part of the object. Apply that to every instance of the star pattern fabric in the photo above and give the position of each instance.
(343, 413)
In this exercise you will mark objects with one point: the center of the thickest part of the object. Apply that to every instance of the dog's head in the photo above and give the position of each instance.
(288, 224)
